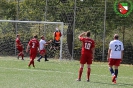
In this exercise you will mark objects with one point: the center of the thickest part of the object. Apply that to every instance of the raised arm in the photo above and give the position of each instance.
(81, 35)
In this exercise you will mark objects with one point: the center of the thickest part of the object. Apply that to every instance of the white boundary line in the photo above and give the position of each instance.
(37, 69)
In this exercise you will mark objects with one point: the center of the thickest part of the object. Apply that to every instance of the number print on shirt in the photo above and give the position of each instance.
(33, 45)
(87, 45)
(117, 47)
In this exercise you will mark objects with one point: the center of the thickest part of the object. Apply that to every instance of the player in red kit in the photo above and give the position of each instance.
(87, 54)
(33, 45)
(19, 47)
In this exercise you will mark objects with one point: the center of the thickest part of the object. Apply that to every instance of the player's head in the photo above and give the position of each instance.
(17, 35)
(116, 36)
(88, 33)
(56, 29)
(42, 37)
(35, 36)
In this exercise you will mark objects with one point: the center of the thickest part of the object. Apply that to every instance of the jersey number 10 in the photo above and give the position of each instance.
(87, 46)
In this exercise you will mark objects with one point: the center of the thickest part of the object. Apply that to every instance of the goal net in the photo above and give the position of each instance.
(26, 29)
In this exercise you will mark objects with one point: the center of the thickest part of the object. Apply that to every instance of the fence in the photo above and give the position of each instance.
(98, 16)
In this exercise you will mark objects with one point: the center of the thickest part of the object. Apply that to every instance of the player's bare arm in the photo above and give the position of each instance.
(122, 52)
(49, 42)
(81, 35)
(93, 53)
(27, 49)
(109, 50)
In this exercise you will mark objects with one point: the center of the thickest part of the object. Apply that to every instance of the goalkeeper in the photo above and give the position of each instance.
(57, 34)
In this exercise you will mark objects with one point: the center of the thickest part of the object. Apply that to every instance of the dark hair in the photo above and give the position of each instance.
(42, 36)
(116, 36)
(17, 35)
(88, 34)
(35, 36)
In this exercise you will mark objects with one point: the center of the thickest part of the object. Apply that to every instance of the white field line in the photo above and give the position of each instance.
(46, 71)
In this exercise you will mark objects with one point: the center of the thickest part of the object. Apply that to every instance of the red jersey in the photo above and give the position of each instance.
(34, 44)
(87, 45)
(18, 43)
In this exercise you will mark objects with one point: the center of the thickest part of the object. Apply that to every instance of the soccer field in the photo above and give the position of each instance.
(59, 74)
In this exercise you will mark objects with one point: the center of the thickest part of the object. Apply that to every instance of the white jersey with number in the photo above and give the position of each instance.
(116, 47)
(42, 44)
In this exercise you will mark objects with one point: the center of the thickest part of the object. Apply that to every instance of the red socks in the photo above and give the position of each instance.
(21, 54)
(80, 73)
(88, 73)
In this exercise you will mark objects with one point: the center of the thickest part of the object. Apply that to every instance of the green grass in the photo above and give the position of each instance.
(59, 74)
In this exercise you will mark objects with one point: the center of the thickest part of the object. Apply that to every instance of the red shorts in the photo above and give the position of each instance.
(20, 48)
(33, 54)
(115, 62)
(42, 52)
(86, 58)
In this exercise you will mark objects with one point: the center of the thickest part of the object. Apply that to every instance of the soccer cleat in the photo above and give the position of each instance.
(38, 60)
(113, 78)
(88, 80)
(46, 60)
(17, 57)
(28, 66)
(33, 66)
(78, 79)
(114, 82)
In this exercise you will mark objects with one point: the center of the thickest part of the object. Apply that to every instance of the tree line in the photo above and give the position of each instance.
(89, 15)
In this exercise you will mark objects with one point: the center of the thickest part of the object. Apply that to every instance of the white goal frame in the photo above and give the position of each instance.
(42, 22)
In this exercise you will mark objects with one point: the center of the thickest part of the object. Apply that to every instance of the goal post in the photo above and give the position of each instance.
(9, 29)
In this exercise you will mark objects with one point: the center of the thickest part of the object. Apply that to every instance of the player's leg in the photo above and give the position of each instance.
(51, 46)
(82, 62)
(19, 54)
(116, 71)
(22, 55)
(115, 74)
(42, 53)
(57, 45)
(111, 63)
(20, 49)
(32, 57)
(117, 64)
(30, 60)
(45, 56)
(88, 72)
(80, 72)
(111, 70)
(89, 62)
(40, 57)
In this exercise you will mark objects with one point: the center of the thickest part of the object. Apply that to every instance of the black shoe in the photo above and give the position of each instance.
(17, 57)
(78, 79)
(33, 66)
(46, 60)
(88, 80)
(38, 60)
(28, 66)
